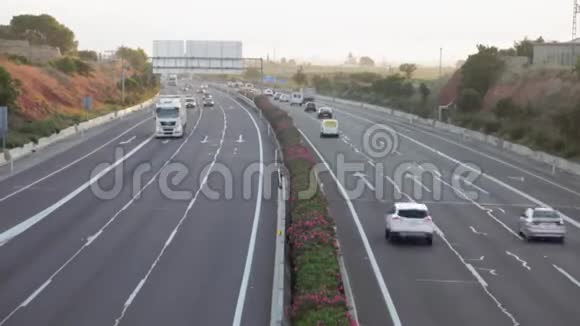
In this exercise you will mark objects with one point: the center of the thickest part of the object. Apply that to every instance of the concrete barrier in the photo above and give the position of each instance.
(31, 147)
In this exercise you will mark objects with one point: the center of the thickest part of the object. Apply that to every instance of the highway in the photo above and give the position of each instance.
(120, 228)
(479, 271)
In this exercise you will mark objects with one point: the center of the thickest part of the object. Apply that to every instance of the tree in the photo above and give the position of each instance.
(9, 88)
(87, 55)
(252, 74)
(366, 61)
(299, 77)
(137, 58)
(481, 69)
(577, 67)
(55, 33)
(469, 100)
(425, 92)
(283, 61)
(408, 69)
(525, 48)
(292, 62)
(321, 84)
(393, 86)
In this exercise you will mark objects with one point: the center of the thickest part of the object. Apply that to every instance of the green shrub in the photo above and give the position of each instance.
(71, 66)
(469, 100)
(18, 59)
(9, 89)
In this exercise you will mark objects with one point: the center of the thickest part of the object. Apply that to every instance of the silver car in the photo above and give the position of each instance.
(542, 222)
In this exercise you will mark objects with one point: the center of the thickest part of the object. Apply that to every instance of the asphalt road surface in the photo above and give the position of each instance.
(120, 228)
(479, 271)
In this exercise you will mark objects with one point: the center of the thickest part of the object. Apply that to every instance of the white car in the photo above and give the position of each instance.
(542, 222)
(284, 98)
(329, 127)
(296, 98)
(409, 220)
(269, 92)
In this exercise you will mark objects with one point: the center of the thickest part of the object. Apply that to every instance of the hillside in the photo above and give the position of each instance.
(45, 90)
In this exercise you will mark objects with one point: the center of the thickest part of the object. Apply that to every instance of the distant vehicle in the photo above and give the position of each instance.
(308, 95)
(208, 101)
(310, 107)
(249, 86)
(542, 223)
(172, 80)
(277, 96)
(200, 90)
(409, 220)
(239, 85)
(296, 98)
(329, 127)
(231, 84)
(284, 98)
(170, 117)
(268, 92)
(190, 103)
(325, 113)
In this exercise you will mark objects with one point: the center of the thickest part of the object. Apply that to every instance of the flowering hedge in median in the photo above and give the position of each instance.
(317, 292)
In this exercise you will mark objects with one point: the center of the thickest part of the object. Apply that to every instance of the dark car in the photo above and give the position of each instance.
(190, 103)
(325, 113)
(310, 107)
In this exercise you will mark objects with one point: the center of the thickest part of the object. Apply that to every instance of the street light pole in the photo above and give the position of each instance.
(440, 62)
(122, 80)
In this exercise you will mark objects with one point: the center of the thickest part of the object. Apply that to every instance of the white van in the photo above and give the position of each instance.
(329, 127)
(296, 98)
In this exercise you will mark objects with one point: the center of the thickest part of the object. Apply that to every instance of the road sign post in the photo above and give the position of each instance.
(4, 133)
(87, 106)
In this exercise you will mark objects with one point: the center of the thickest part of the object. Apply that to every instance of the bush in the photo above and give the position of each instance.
(18, 59)
(9, 89)
(469, 100)
(71, 66)
(87, 55)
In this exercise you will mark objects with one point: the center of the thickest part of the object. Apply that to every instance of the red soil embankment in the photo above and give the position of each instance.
(44, 90)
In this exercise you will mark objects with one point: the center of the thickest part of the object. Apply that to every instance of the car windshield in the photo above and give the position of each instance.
(165, 113)
(413, 213)
(545, 214)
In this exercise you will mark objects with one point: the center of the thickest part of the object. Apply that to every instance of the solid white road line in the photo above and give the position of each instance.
(73, 162)
(394, 315)
(252, 245)
(169, 240)
(20, 228)
(567, 275)
(416, 180)
(93, 237)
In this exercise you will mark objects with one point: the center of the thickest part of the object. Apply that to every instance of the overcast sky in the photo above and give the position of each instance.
(391, 30)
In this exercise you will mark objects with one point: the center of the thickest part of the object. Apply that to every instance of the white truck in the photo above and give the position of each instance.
(170, 117)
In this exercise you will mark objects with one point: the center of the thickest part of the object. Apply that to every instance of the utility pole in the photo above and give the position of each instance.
(440, 62)
(122, 80)
(575, 13)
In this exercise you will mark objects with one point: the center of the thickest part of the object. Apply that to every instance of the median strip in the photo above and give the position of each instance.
(318, 296)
